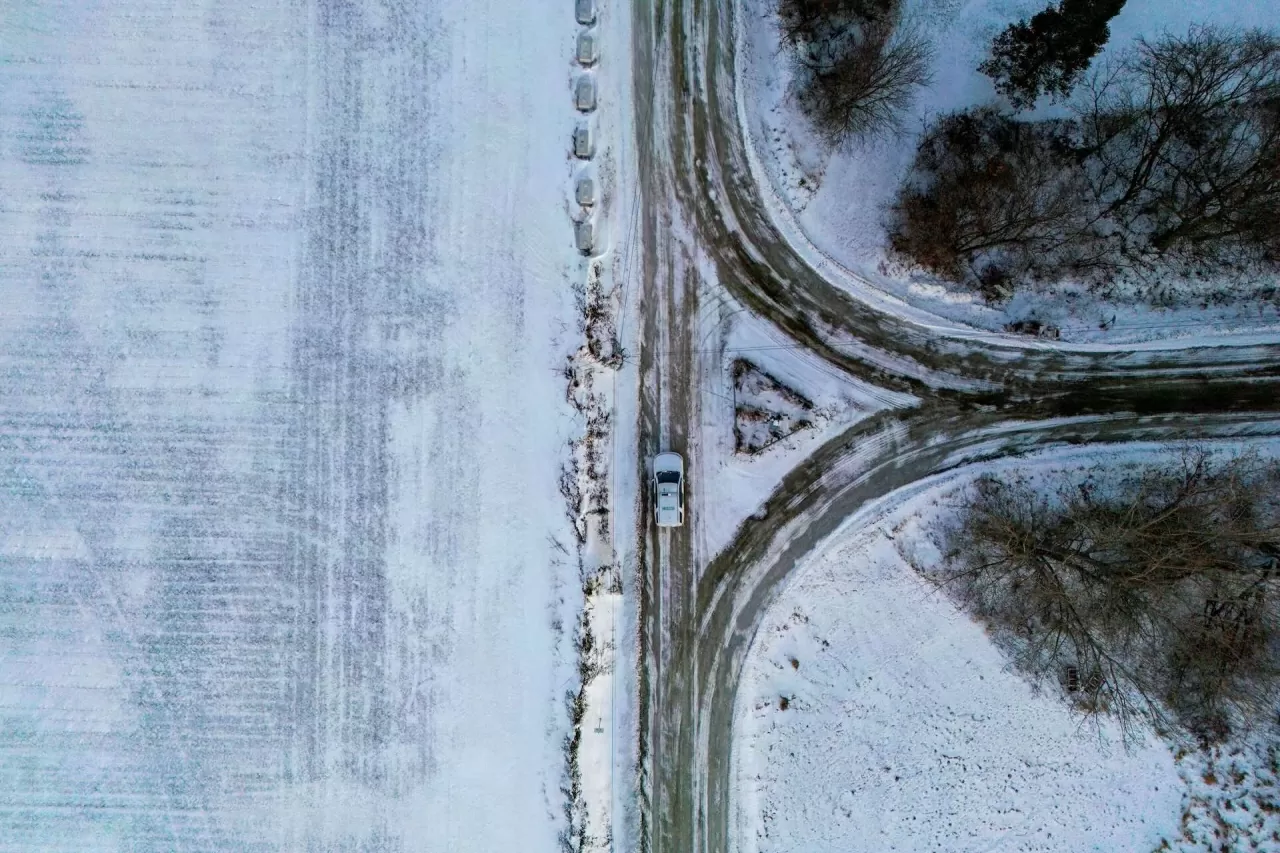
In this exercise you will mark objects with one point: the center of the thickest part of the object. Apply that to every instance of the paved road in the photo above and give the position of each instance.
(668, 406)
(867, 463)
(699, 614)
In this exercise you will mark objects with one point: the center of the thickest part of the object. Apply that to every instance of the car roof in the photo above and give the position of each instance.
(668, 462)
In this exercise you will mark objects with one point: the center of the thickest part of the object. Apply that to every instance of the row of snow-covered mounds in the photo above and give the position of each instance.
(585, 98)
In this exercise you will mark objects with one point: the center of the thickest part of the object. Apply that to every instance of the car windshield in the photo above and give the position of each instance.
(668, 477)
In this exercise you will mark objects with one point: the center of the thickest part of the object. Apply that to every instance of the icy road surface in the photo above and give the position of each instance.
(282, 298)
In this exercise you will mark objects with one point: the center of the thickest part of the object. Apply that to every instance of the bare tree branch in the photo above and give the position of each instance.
(857, 66)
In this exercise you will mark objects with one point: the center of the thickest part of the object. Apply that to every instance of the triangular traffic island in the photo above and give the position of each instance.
(765, 411)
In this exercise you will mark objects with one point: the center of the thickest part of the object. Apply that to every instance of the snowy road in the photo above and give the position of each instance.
(285, 301)
(847, 477)
(670, 401)
(706, 230)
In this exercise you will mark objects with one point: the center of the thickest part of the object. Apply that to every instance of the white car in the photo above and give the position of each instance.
(668, 490)
(585, 11)
(585, 190)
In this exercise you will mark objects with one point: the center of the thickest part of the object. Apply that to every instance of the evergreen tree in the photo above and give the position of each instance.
(1048, 54)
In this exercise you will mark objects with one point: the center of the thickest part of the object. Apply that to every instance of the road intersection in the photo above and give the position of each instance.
(704, 232)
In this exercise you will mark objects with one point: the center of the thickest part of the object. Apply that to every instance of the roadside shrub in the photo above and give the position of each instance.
(990, 197)
(1047, 54)
(857, 67)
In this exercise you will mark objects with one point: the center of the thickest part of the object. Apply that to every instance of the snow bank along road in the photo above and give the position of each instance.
(278, 426)
(703, 228)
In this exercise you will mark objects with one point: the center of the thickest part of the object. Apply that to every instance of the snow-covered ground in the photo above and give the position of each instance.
(831, 206)
(1231, 799)
(287, 296)
(873, 715)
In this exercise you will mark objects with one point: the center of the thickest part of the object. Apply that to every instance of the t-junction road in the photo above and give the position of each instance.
(706, 236)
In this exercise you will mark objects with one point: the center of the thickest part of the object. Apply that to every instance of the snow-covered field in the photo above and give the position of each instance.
(874, 716)
(281, 422)
(831, 205)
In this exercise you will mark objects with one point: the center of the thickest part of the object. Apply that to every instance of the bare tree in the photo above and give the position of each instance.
(865, 90)
(857, 66)
(1163, 592)
(1174, 156)
(1183, 138)
(822, 31)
